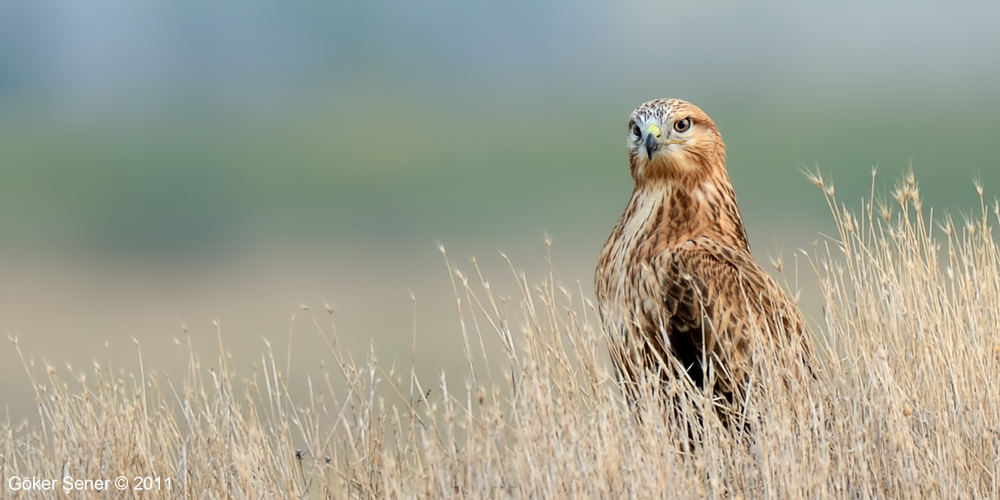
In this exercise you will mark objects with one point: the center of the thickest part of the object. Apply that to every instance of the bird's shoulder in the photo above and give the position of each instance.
(706, 275)
(710, 259)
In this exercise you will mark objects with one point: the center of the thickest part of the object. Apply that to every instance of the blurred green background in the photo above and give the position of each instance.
(167, 163)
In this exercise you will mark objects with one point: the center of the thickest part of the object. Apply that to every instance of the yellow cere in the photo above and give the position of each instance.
(653, 129)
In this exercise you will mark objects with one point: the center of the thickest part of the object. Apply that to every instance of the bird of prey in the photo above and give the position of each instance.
(676, 280)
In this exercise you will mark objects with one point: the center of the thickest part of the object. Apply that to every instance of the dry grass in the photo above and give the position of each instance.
(906, 404)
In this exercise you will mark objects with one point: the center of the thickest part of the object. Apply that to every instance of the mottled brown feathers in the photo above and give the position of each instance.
(676, 280)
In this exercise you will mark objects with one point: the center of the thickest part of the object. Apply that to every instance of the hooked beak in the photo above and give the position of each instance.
(651, 146)
(652, 141)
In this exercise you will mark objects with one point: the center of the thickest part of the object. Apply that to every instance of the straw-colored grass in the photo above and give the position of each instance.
(906, 403)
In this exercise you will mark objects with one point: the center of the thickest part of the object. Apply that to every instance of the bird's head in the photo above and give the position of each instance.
(671, 139)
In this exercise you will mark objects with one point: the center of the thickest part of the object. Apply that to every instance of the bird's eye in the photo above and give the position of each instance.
(682, 125)
(635, 129)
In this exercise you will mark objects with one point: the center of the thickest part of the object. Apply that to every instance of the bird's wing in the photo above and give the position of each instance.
(715, 298)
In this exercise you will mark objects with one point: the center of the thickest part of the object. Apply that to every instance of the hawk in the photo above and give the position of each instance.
(676, 279)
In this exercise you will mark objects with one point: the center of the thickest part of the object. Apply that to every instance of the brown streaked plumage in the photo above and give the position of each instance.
(676, 279)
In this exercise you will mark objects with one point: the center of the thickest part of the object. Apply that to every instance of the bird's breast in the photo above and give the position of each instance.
(626, 283)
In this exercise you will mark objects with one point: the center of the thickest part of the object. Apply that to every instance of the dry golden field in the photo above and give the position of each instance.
(906, 402)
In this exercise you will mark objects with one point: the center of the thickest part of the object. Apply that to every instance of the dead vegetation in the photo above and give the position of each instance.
(906, 403)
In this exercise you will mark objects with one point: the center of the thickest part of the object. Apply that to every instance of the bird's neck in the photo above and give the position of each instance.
(683, 211)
